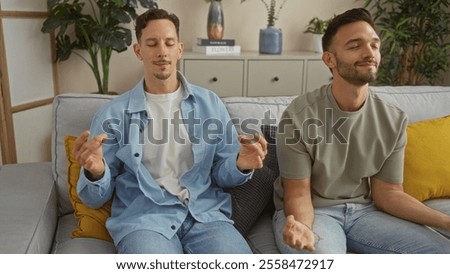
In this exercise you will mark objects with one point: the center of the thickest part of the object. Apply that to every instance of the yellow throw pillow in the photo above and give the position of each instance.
(427, 161)
(91, 222)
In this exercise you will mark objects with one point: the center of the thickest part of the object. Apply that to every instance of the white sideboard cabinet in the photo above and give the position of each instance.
(254, 74)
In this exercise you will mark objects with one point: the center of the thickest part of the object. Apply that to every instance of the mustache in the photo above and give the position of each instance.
(367, 62)
(162, 62)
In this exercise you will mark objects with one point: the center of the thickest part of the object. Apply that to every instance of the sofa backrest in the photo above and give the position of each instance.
(72, 114)
(419, 102)
(249, 113)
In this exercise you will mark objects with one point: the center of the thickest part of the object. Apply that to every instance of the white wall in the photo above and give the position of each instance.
(242, 22)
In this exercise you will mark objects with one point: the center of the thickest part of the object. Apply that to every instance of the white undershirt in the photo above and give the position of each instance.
(167, 152)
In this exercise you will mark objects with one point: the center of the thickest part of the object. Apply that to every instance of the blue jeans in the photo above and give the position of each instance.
(192, 238)
(362, 228)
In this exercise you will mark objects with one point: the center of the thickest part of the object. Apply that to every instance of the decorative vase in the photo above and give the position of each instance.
(270, 40)
(215, 25)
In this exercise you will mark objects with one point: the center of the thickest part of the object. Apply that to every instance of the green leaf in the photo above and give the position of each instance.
(120, 15)
(63, 48)
(118, 39)
(149, 4)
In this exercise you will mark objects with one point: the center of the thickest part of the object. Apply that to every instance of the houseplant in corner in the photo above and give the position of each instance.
(92, 26)
(415, 40)
(271, 38)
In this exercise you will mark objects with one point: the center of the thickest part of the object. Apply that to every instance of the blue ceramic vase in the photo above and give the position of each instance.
(270, 40)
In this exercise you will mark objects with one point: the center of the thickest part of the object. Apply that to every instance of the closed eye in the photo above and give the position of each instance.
(353, 46)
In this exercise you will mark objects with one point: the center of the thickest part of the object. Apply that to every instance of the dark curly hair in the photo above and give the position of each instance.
(155, 14)
(348, 17)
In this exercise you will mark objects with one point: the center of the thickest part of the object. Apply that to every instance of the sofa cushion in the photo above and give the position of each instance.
(250, 199)
(91, 222)
(427, 162)
(261, 238)
(65, 244)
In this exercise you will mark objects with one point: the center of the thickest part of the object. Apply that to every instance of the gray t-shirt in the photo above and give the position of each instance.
(340, 150)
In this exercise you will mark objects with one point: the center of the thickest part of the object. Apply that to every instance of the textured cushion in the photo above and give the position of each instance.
(270, 133)
(250, 199)
(427, 162)
(91, 222)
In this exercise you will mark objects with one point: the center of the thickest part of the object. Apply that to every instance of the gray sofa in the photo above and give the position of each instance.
(36, 215)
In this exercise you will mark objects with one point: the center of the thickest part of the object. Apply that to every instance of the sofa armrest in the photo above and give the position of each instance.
(28, 208)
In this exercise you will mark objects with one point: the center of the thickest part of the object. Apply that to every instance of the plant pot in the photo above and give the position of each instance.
(270, 40)
(215, 24)
(317, 43)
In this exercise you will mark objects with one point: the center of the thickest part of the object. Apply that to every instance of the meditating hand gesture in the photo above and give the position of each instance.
(252, 152)
(298, 235)
(89, 154)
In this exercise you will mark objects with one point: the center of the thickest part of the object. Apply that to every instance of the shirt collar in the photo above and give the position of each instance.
(138, 101)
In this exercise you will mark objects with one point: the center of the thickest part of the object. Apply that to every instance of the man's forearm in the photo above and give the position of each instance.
(404, 206)
(301, 209)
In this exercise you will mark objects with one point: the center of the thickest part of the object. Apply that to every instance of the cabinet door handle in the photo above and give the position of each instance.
(215, 79)
(276, 79)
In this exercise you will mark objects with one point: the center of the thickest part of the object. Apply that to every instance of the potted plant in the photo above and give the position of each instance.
(415, 40)
(271, 38)
(317, 27)
(96, 28)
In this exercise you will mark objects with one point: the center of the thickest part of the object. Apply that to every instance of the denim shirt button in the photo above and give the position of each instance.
(136, 155)
(173, 227)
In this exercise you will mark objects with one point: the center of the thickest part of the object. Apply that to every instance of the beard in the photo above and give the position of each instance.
(350, 73)
(165, 73)
(162, 75)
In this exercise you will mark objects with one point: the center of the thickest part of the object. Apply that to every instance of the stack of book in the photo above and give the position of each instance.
(216, 47)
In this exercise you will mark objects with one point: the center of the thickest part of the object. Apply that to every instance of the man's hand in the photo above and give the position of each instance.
(298, 235)
(89, 154)
(252, 152)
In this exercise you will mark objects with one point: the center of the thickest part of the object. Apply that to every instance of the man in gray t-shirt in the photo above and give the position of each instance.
(340, 150)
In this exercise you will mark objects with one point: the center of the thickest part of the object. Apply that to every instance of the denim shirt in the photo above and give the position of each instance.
(140, 203)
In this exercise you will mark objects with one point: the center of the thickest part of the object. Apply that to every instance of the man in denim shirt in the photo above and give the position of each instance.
(165, 150)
